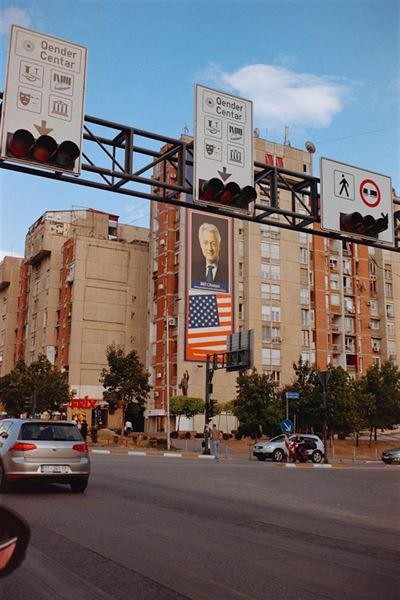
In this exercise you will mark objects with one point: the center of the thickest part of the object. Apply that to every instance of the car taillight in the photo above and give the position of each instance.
(22, 447)
(80, 447)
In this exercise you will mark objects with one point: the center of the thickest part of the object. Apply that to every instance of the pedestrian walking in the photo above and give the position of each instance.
(215, 439)
(84, 429)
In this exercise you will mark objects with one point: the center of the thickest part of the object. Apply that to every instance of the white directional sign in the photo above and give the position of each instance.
(356, 202)
(223, 141)
(44, 94)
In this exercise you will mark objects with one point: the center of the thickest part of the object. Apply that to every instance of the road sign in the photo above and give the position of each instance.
(287, 426)
(43, 107)
(223, 142)
(356, 202)
(292, 395)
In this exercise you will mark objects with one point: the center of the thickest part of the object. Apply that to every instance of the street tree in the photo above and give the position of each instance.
(257, 405)
(382, 384)
(307, 409)
(187, 406)
(126, 382)
(40, 382)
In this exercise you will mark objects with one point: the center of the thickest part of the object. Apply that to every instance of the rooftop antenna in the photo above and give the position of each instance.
(256, 133)
(287, 141)
(185, 130)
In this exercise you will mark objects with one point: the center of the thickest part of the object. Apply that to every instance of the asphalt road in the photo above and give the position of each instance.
(168, 528)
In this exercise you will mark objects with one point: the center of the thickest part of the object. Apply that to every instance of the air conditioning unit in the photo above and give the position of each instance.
(171, 321)
(375, 349)
(369, 302)
(369, 325)
(161, 287)
(162, 242)
(159, 375)
(156, 394)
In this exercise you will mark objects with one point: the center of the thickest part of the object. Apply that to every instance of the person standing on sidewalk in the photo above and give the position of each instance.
(215, 439)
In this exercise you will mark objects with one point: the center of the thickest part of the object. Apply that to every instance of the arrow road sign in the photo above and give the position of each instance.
(287, 426)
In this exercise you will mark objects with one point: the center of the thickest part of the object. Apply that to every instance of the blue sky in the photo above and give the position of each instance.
(329, 70)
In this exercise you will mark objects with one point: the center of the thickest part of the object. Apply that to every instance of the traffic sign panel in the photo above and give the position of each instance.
(287, 426)
(356, 201)
(223, 148)
(43, 108)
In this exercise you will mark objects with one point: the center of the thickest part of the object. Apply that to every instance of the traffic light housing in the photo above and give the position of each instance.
(229, 195)
(28, 404)
(210, 409)
(363, 225)
(44, 150)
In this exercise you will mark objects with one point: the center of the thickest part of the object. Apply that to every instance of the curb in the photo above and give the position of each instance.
(194, 456)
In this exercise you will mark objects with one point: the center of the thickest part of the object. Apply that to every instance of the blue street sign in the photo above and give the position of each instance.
(287, 426)
(292, 395)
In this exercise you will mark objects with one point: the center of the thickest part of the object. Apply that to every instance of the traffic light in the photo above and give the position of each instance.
(230, 194)
(210, 409)
(43, 150)
(367, 225)
(28, 404)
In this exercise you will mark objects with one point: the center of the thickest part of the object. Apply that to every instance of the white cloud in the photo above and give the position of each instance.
(282, 96)
(13, 15)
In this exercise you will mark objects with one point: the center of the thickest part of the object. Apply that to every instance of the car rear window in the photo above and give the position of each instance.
(61, 432)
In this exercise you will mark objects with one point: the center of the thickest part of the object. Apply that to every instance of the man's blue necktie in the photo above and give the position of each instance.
(209, 276)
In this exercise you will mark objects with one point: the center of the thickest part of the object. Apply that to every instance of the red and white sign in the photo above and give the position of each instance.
(370, 193)
(346, 190)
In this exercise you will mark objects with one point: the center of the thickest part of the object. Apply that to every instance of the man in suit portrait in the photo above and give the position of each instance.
(210, 272)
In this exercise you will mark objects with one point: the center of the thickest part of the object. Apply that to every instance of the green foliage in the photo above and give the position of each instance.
(40, 378)
(125, 380)
(382, 385)
(187, 406)
(257, 405)
(308, 407)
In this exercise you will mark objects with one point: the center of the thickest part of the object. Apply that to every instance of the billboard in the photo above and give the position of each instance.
(209, 284)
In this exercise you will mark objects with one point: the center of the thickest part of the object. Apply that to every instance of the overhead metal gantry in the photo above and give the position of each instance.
(121, 159)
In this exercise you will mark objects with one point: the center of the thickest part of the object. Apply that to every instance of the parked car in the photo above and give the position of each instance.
(391, 456)
(275, 448)
(43, 450)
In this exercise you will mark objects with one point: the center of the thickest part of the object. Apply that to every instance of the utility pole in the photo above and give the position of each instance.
(207, 411)
(323, 378)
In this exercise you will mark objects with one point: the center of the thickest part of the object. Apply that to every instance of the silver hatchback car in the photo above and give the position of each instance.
(50, 450)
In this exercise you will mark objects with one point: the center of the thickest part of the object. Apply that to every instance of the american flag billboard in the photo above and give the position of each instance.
(209, 284)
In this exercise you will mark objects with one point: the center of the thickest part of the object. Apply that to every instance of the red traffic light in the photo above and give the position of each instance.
(368, 225)
(230, 195)
(21, 143)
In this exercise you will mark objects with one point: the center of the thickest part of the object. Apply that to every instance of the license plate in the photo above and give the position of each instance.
(55, 469)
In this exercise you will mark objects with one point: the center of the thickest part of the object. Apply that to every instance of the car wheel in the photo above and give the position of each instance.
(317, 456)
(261, 457)
(79, 486)
(278, 455)
(4, 483)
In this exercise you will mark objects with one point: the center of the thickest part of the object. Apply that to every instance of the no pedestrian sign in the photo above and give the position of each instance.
(351, 194)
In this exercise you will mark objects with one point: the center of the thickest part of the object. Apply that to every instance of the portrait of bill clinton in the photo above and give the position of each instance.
(210, 269)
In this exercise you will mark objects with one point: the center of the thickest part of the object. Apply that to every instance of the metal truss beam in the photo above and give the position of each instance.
(121, 159)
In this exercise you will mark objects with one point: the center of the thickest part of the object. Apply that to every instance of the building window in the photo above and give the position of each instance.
(334, 282)
(303, 256)
(347, 267)
(241, 248)
(270, 271)
(240, 311)
(270, 251)
(375, 323)
(388, 290)
(334, 262)
(390, 310)
(305, 357)
(335, 299)
(305, 316)
(304, 296)
(390, 328)
(388, 274)
(305, 337)
(240, 269)
(375, 344)
(349, 325)
(271, 356)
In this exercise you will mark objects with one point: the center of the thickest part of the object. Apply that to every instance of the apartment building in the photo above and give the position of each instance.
(83, 285)
(9, 290)
(328, 302)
